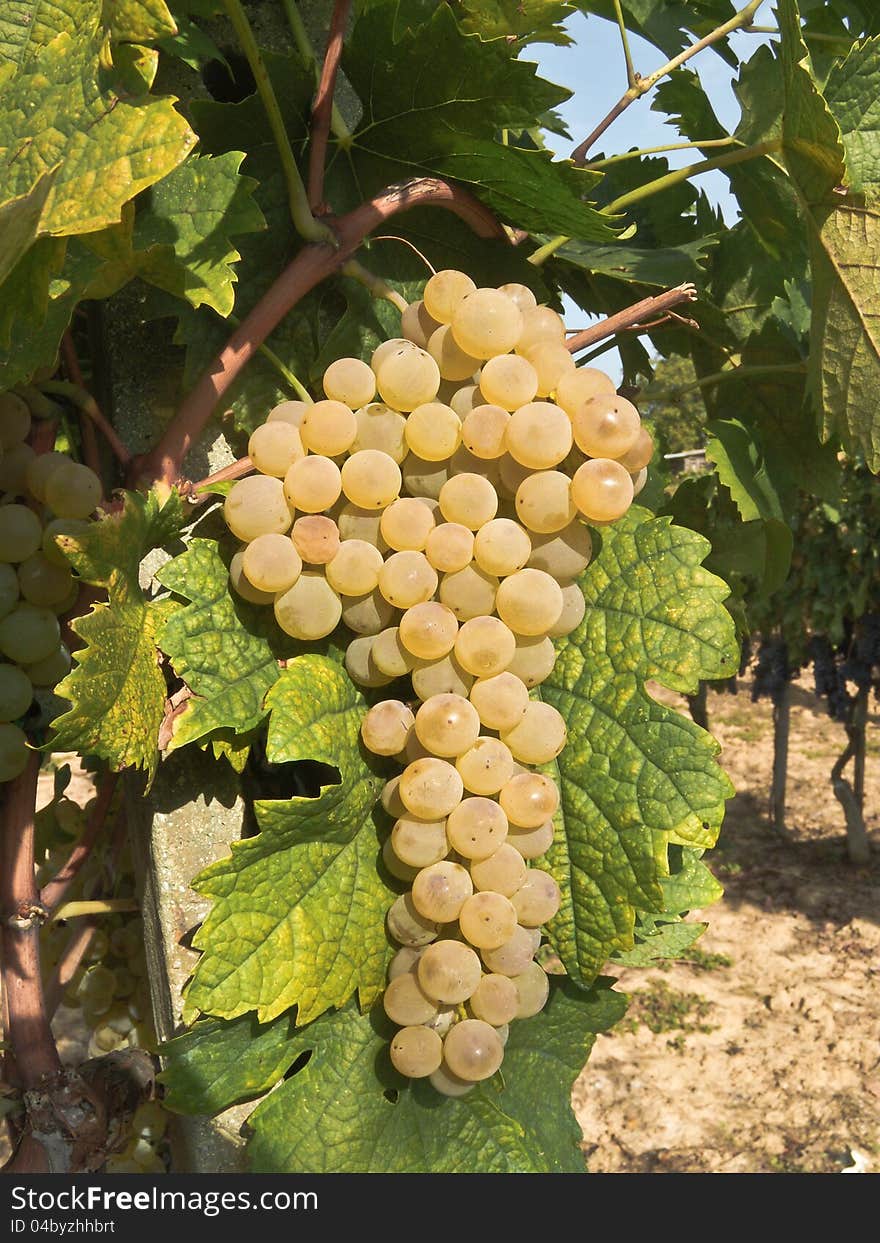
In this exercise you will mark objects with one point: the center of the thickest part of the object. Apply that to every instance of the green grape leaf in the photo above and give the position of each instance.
(845, 333)
(529, 21)
(742, 467)
(659, 942)
(853, 95)
(226, 650)
(26, 26)
(116, 688)
(138, 21)
(109, 146)
(186, 225)
(635, 775)
(20, 221)
(192, 45)
(667, 266)
(689, 886)
(298, 911)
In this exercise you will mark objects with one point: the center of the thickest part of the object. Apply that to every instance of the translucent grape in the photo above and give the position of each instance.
(310, 609)
(487, 322)
(406, 1003)
(360, 664)
(15, 420)
(381, 428)
(484, 431)
(13, 752)
(407, 377)
(428, 630)
(417, 324)
(407, 578)
(533, 659)
(291, 412)
(390, 799)
(385, 727)
(408, 927)
(43, 583)
(544, 502)
(430, 788)
(350, 381)
(29, 634)
(20, 533)
(440, 891)
(521, 295)
(242, 585)
(256, 506)
(443, 293)
(406, 959)
(385, 350)
(312, 484)
(513, 957)
(565, 553)
(40, 468)
(540, 323)
(473, 1050)
(530, 843)
(486, 767)
(433, 431)
(440, 677)
(73, 491)
(532, 990)
(454, 363)
(74, 528)
(465, 399)
(329, 427)
(501, 547)
(357, 523)
(371, 479)
(447, 725)
(640, 480)
(448, 1084)
(582, 385)
(390, 655)
(602, 490)
(606, 426)
(14, 465)
(449, 547)
(529, 799)
(574, 606)
(9, 593)
(551, 361)
(539, 435)
(416, 1052)
(508, 381)
(487, 920)
(511, 473)
(537, 900)
(468, 499)
(64, 606)
(485, 646)
(501, 872)
(529, 602)
(396, 866)
(367, 614)
(539, 736)
(271, 563)
(354, 571)
(500, 701)
(638, 457)
(406, 524)
(494, 1000)
(449, 971)
(316, 539)
(419, 842)
(274, 447)
(16, 693)
(476, 827)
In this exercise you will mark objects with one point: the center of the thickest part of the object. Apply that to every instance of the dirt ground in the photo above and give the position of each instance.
(763, 1055)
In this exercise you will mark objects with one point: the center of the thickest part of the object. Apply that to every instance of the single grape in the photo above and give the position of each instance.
(533, 659)
(406, 524)
(537, 900)
(367, 614)
(447, 725)
(423, 479)
(371, 479)
(433, 431)
(473, 1050)
(485, 646)
(521, 295)
(470, 592)
(427, 630)
(20, 533)
(501, 547)
(574, 607)
(271, 563)
(390, 655)
(354, 570)
(396, 866)
(602, 490)
(13, 752)
(639, 456)
(444, 292)
(241, 585)
(529, 602)
(407, 578)
(274, 447)
(407, 377)
(310, 609)
(440, 677)
(448, 1084)
(487, 920)
(360, 664)
(640, 480)
(531, 843)
(453, 362)
(9, 593)
(500, 701)
(329, 428)
(476, 827)
(419, 842)
(486, 323)
(529, 799)
(539, 435)
(565, 554)
(417, 324)
(532, 991)
(449, 547)
(29, 634)
(385, 727)
(73, 491)
(486, 767)
(382, 429)
(504, 871)
(291, 412)
(256, 506)
(582, 385)
(465, 398)
(391, 800)
(385, 350)
(315, 538)
(40, 468)
(406, 959)
(494, 1000)
(484, 431)
(539, 736)
(15, 420)
(51, 669)
(440, 891)
(408, 926)
(416, 1052)
(16, 693)
(544, 502)
(513, 957)
(551, 361)
(356, 523)
(607, 426)
(540, 323)
(312, 484)
(449, 971)
(508, 381)
(63, 607)
(430, 788)
(468, 499)
(406, 1003)
(43, 583)
(350, 381)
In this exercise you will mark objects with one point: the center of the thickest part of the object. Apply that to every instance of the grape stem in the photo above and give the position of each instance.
(102, 906)
(91, 456)
(54, 891)
(632, 317)
(323, 105)
(311, 265)
(85, 402)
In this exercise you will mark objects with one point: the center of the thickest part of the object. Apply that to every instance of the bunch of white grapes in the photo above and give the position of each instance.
(435, 501)
(41, 496)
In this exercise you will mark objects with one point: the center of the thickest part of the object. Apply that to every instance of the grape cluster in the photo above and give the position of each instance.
(43, 496)
(435, 502)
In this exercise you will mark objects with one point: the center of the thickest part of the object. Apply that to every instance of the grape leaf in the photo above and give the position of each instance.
(530, 21)
(298, 913)
(671, 265)
(634, 773)
(26, 26)
(138, 21)
(742, 467)
(187, 221)
(20, 221)
(116, 689)
(853, 95)
(689, 886)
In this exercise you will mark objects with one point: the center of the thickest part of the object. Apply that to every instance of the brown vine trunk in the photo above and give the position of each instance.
(852, 797)
(781, 731)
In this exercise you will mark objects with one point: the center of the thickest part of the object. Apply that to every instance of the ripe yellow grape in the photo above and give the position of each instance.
(469, 499)
(29, 634)
(529, 799)
(312, 484)
(537, 900)
(406, 959)
(533, 659)
(564, 553)
(371, 479)
(540, 323)
(469, 592)
(430, 788)
(73, 491)
(539, 435)
(329, 428)
(16, 693)
(602, 490)
(531, 843)
(310, 609)
(433, 431)
(538, 737)
(449, 971)
(513, 957)
(350, 381)
(494, 1000)
(544, 502)
(385, 728)
(486, 767)
(640, 480)
(367, 614)
(529, 602)
(407, 377)
(448, 1084)
(406, 1003)
(502, 872)
(274, 447)
(466, 398)
(354, 571)
(256, 506)
(423, 479)
(486, 323)
(638, 457)
(473, 1050)
(447, 725)
(508, 381)
(406, 524)
(487, 920)
(416, 1052)
(450, 547)
(316, 538)
(391, 800)
(574, 606)
(419, 842)
(428, 630)
(441, 677)
(385, 349)
(500, 701)
(606, 426)
(485, 646)
(271, 563)
(484, 431)
(501, 547)
(582, 385)
(521, 294)
(45, 584)
(463, 462)
(551, 361)
(360, 664)
(407, 578)
(390, 655)
(291, 412)
(417, 324)
(532, 990)
(242, 587)
(476, 827)
(380, 427)
(451, 359)
(443, 293)
(357, 523)
(441, 890)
